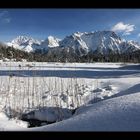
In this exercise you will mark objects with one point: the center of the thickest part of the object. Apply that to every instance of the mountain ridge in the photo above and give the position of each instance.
(100, 42)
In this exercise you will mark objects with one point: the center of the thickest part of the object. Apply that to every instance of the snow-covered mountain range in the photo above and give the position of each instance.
(102, 42)
(29, 44)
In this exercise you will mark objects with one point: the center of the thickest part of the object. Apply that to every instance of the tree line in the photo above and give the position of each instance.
(63, 55)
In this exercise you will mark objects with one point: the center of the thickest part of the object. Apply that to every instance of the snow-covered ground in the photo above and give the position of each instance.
(116, 114)
(107, 94)
(7, 124)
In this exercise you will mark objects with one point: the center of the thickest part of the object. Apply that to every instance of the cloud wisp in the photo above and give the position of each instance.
(139, 35)
(4, 17)
(126, 29)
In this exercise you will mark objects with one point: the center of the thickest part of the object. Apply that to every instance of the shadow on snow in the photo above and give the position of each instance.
(69, 73)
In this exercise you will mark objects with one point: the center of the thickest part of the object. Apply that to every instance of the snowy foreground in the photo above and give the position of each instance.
(106, 96)
(117, 114)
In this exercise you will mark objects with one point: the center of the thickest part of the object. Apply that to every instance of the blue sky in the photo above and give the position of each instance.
(40, 23)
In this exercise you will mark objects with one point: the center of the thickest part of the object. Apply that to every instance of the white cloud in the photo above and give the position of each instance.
(126, 29)
(7, 20)
(3, 13)
(139, 35)
(4, 17)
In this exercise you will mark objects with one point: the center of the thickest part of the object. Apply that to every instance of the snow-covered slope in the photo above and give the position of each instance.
(100, 42)
(116, 114)
(130, 46)
(94, 41)
(51, 42)
(24, 43)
